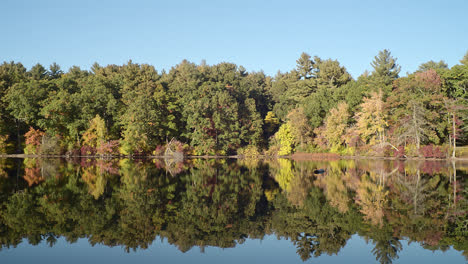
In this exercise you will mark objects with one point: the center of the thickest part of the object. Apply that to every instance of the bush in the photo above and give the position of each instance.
(5, 146)
(336, 149)
(411, 151)
(272, 151)
(462, 152)
(33, 140)
(248, 151)
(174, 147)
(87, 150)
(431, 151)
(350, 151)
(108, 148)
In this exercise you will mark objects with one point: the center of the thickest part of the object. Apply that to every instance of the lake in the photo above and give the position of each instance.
(231, 211)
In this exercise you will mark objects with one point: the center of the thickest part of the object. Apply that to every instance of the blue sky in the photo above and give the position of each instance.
(260, 35)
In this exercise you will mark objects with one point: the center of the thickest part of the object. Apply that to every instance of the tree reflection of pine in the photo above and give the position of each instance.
(222, 202)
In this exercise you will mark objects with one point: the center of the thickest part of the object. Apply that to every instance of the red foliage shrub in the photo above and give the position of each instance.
(431, 151)
(400, 153)
(87, 150)
(108, 148)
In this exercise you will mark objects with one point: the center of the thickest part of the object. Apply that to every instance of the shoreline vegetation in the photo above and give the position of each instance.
(316, 110)
(295, 156)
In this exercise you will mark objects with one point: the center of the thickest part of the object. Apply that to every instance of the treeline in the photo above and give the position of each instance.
(222, 203)
(223, 109)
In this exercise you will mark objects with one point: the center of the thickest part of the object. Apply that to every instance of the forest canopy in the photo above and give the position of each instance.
(222, 109)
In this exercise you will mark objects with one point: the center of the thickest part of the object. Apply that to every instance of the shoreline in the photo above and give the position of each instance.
(296, 156)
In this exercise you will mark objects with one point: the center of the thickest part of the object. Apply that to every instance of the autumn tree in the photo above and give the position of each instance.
(335, 126)
(285, 139)
(33, 141)
(96, 134)
(371, 120)
(300, 127)
(271, 124)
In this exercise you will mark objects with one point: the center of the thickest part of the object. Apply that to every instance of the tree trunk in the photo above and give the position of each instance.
(454, 136)
(418, 141)
(450, 136)
(454, 183)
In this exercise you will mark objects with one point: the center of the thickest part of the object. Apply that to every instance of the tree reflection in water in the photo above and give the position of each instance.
(223, 202)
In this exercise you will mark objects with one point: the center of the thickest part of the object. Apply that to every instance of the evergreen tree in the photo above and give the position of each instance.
(330, 74)
(464, 61)
(385, 66)
(386, 70)
(54, 71)
(38, 72)
(305, 66)
(433, 65)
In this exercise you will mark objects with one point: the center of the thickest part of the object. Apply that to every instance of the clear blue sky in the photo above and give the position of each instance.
(260, 35)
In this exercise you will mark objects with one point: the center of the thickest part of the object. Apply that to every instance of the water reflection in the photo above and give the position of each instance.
(221, 203)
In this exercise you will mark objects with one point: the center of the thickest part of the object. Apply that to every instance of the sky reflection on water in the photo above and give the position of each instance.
(268, 250)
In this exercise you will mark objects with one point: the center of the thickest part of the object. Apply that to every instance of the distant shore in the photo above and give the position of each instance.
(295, 156)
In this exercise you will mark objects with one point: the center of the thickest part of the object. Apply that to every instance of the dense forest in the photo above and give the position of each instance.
(223, 109)
(222, 203)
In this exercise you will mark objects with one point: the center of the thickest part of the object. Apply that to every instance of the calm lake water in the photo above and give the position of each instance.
(230, 211)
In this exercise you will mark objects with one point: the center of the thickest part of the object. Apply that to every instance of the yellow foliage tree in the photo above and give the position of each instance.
(96, 133)
(285, 139)
(371, 120)
(335, 125)
(300, 127)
